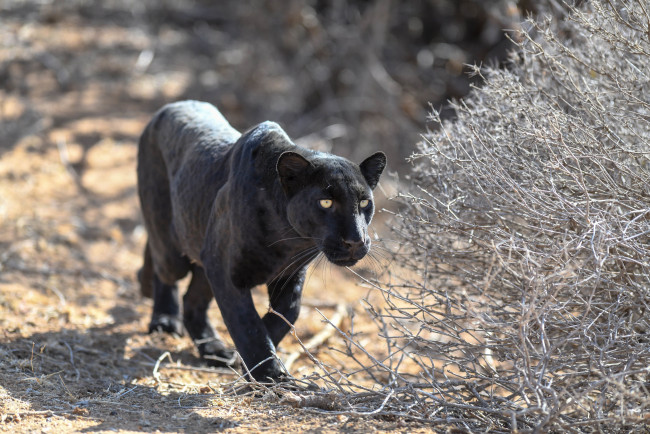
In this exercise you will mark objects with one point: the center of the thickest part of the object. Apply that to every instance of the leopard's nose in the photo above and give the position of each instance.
(354, 247)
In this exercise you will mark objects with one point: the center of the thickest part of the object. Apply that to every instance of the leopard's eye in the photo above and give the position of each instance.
(364, 203)
(325, 203)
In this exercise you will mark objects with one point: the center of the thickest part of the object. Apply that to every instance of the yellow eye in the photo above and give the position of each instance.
(325, 203)
(364, 203)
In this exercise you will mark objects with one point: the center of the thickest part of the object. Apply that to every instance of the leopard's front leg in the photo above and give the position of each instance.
(246, 328)
(285, 295)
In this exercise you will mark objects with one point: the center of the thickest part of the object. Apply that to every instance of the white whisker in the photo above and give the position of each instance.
(293, 238)
(307, 253)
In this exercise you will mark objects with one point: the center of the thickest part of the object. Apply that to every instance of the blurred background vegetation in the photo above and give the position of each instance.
(346, 76)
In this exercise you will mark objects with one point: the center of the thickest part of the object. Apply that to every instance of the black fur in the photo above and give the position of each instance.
(239, 211)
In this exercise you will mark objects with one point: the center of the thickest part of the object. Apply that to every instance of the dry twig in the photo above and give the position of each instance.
(319, 338)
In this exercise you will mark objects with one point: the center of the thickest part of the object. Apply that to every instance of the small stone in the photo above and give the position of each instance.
(206, 389)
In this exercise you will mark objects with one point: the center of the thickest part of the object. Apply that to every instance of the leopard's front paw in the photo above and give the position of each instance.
(216, 354)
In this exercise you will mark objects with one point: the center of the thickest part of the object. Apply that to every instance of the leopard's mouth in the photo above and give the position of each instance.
(341, 259)
(344, 262)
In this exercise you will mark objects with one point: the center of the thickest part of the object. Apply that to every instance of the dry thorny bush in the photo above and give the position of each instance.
(527, 240)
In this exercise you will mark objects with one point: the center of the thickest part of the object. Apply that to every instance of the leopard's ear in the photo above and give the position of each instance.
(292, 169)
(372, 167)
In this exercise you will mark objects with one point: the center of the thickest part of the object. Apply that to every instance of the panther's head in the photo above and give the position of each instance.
(330, 200)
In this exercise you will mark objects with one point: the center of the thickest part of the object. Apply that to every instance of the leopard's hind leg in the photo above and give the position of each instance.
(164, 262)
(196, 302)
(160, 278)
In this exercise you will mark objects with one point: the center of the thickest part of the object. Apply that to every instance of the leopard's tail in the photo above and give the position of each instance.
(145, 274)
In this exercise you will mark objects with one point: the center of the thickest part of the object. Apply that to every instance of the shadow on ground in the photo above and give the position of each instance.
(92, 374)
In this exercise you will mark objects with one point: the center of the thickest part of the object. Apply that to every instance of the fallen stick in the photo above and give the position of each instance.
(190, 368)
(319, 338)
(65, 160)
(155, 373)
